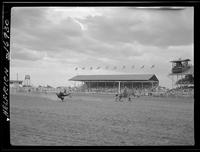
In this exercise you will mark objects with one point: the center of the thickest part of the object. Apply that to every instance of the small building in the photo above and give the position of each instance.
(27, 81)
(15, 83)
(180, 66)
(180, 69)
(114, 83)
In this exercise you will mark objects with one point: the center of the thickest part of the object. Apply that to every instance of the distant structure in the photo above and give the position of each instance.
(181, 68)
(15, 83)
(27, 81)
(114, 83)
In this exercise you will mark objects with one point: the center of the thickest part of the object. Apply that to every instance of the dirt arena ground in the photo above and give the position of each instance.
(97, 120)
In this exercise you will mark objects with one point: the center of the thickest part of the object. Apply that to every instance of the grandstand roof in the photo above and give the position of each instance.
(180, 60)
(128, 77)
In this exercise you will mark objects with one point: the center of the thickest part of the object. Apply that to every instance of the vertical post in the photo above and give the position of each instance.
(119, 87)
(84, 86)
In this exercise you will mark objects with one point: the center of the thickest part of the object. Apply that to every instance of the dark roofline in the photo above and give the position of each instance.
(16, 81)
(127, 77)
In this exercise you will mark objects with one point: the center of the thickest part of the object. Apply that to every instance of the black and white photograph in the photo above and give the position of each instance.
(102, 76)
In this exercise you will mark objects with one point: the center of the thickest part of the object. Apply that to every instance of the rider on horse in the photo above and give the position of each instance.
(61, 94)
(124, 94)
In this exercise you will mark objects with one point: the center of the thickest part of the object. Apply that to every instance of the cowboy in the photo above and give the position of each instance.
(125, 92)
(61, 93)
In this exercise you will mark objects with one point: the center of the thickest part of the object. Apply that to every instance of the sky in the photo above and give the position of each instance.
(50, 43)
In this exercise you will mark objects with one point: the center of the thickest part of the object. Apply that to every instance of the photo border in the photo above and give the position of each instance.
(5, 66)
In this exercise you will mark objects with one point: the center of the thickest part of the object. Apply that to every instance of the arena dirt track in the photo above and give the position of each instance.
(42, 119)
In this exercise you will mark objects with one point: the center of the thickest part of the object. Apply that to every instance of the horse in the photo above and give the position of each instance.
(120, 96)
(62, 95)
(125, 94)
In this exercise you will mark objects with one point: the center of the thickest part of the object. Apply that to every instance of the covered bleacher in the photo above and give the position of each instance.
(115, 83)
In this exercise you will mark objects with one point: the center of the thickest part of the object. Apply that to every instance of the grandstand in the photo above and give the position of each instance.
(114, 83)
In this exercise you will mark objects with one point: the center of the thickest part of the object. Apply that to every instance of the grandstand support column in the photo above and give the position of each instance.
(119, 87)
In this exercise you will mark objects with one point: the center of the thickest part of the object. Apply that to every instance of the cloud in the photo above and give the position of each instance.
(108, 29)
(39, 33)
(144, 26)
(27, 17)
(59, 39)
(26, 54)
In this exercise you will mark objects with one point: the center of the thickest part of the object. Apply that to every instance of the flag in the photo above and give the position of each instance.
(142, 67)
(132, 66)
(152, 66)
(90, 68)
(76, 68)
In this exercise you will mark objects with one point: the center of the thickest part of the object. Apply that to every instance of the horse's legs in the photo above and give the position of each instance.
(116, 97)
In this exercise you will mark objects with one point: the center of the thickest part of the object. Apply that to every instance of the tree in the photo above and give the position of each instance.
(188, 79)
